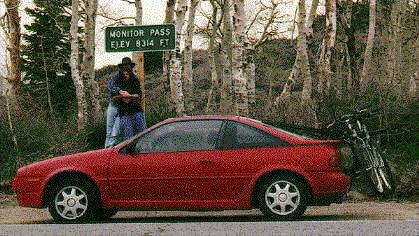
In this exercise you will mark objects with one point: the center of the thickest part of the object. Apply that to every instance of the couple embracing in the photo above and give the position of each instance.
(124, 111)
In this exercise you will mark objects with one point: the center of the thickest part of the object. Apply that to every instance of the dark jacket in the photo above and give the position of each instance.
(132, 86)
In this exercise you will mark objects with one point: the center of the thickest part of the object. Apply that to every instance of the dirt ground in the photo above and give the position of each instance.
(11, 213)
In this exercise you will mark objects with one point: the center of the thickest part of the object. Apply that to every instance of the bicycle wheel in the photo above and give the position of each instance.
(378, 172)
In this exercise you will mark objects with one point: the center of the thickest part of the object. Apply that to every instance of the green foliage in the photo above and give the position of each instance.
(45, 56)
(158, 107)
(39, 136)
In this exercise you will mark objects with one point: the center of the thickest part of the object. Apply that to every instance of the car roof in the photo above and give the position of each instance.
(288, 136)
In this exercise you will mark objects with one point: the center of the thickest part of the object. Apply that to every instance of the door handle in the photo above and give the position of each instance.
(206, 162)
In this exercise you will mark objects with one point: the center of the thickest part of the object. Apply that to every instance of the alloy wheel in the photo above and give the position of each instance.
(282, 197)
(71, 202)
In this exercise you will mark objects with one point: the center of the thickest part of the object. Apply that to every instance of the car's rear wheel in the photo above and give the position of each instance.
(283, 197)
(73, 200)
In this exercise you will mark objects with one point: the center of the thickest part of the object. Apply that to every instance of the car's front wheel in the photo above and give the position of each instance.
(73, 200)
(283, 197)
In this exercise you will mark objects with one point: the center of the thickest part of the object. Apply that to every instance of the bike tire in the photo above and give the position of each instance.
(379, 176)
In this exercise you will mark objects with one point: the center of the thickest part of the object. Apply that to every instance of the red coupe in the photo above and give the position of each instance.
(190, 163)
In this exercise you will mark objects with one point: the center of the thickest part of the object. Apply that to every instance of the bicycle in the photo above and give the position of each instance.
(369, 159)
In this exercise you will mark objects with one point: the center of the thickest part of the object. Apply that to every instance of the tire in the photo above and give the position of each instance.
(73, 200)
(378, 173)
(283, 197)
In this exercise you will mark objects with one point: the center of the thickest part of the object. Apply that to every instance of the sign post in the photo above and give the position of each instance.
(144, 38)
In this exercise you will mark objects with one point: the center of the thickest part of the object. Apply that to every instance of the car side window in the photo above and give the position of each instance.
(242, 136)
(182, 136)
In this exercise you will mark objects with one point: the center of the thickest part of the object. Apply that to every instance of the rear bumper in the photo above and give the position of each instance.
(329, 187)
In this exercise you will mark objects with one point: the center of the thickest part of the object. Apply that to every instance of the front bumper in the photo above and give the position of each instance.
(28, 191)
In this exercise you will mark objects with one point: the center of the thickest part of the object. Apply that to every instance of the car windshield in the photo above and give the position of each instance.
(281, 130)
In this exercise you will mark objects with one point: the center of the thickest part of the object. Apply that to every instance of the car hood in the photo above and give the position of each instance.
(76, 162)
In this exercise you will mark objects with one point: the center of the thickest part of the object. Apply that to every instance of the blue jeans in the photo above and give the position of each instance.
(132, 122)
(113, 126)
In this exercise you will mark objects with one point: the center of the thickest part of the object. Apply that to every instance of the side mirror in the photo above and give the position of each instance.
(128, 150)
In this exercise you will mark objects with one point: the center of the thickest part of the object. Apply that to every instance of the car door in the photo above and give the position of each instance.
(173, 162)
(246, 150)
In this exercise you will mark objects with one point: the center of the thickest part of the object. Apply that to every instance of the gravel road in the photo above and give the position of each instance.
(11, 213)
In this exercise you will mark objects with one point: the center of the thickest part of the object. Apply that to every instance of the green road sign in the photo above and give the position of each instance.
(140, 38)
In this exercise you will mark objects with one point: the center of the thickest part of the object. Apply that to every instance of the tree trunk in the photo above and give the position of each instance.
(12, 130)
(13, 20)
(365, 75)
(350, 49)
(138, 21)
(170, 11)
(311, 17)
(395, 44)
(188, 73)
(74, 64)
(240, 99)
(175, 68)
(412, 86)
(250, 72)
(327, 47)
(51, 110)
(225, 52)
(88, 67)
(301, 68)
(138, 57)
(211, 56)
(249, 67)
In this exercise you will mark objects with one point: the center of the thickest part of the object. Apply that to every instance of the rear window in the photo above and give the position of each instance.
(298, 136)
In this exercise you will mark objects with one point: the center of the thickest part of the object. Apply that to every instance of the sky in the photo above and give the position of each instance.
(153, 13)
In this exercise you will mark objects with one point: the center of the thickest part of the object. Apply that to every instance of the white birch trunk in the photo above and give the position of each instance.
(138, 21)
(74, 64)
(170, 11)
(211, 56)
(327, 47)
(88, 70)
(13, 25)
(249, 67)
(301, 68)
(311, 17)
(240, 99)
(226, 80)
(365, 80)
(175, 68)
(188, 73)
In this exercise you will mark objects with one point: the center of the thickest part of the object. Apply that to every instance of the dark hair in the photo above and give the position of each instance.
(121, 73)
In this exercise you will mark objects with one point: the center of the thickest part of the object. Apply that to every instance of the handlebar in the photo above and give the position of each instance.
(366, 113)
(358, 114)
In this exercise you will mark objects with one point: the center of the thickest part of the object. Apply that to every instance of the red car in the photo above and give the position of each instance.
(190, 163)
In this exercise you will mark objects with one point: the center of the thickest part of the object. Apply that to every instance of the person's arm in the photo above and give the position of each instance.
(114, 90)
(139, 94)
(124, 94)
